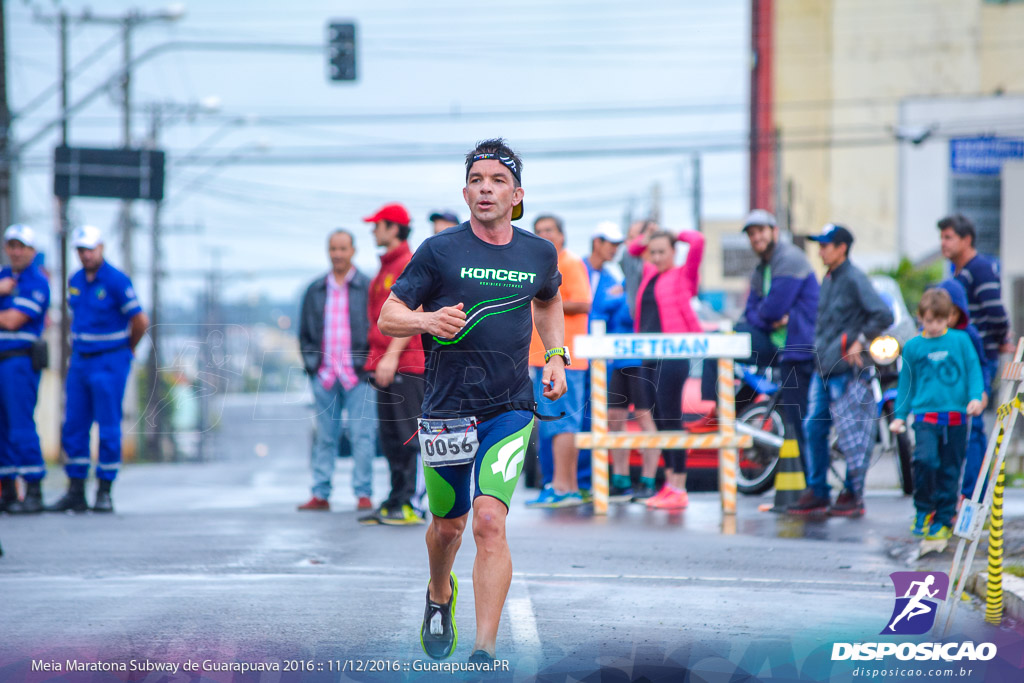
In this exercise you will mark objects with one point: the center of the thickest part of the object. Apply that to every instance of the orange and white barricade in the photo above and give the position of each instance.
(599, 347)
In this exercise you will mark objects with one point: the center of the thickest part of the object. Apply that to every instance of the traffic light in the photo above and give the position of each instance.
(341, 51)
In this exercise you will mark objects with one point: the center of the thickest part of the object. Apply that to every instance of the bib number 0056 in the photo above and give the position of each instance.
(444, 443)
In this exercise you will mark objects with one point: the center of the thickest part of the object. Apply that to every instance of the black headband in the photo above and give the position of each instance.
(507, 162)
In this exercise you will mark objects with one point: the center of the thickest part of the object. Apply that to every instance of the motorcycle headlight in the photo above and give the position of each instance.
(884, 350)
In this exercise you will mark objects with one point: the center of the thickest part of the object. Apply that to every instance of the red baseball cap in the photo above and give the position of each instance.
(394, 213)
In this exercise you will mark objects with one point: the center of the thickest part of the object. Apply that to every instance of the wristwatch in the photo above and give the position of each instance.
(562, 351)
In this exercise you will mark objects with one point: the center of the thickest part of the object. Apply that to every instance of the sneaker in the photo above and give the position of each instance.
(666, 490)
(920, 526)
(809, 503)
(544, 499)
(569, 499)
(847, 505)
(587, 495)
(941, 534)
(317, 504)
(620, 494)
(438, 634)
(675, 500)
(708, 423)
(402, 515)
(642, 493)
(481, 657)
(364, 503)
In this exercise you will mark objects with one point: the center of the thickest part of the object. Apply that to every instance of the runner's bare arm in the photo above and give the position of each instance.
(398, 320)
(550, 323)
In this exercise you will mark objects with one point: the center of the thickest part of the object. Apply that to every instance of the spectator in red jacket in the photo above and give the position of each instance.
(396, 367)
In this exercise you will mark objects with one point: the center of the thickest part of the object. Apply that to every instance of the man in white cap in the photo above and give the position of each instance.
(24, 298)
(107, 323)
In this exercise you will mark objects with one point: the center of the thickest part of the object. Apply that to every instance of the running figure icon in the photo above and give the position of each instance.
(916, 607)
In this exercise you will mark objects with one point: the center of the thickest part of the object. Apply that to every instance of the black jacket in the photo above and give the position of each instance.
(311, 322)
(847, 306)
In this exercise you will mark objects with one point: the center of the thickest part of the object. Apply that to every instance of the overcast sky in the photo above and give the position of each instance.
(642, 83)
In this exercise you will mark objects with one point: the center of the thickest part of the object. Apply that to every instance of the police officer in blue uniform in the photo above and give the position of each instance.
(24, 298)
(106, 325)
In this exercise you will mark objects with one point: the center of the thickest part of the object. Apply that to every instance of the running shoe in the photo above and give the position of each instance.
(920, 525)
(620, 494)
(666, 490)
(438, 634)
(642, 493)
(941, 534)
(588, 495)
(569, 499)
(809, 503)
(364, 503)
(676, 500)
(544, 500)
(316, 504)
(847, 505)
(404, 515)
(481, 657)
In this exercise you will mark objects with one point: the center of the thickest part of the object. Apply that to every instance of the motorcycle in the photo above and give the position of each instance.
(762, 421)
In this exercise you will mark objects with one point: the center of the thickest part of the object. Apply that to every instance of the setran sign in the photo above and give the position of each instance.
(652, 346)
(113, 173)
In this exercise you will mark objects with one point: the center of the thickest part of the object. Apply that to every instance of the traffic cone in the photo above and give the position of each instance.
(789, 477)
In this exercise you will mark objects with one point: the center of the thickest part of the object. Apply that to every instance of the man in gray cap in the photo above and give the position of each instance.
(779, 317)
(24, 298)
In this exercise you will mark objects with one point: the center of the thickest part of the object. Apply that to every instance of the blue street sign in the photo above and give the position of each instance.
(983, 155)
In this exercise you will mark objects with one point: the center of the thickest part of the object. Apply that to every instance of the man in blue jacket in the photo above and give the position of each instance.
(107, 323)
(780, 318)
(24, 298)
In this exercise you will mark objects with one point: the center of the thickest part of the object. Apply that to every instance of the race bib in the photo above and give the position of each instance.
(444, 443)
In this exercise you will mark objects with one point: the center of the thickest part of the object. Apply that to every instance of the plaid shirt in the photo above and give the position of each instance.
(337, 346)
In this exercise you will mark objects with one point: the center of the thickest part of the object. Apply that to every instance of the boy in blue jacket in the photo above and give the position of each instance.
(960, 319)
(940, 383)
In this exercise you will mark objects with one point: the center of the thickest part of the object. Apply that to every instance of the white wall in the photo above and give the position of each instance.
(924, 174)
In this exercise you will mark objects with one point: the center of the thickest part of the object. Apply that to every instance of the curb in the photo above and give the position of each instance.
(1013, 593)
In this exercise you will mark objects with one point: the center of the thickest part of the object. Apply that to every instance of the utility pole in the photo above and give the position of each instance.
(697, 191)
(126, 134)
(6, 189)
(655, 213)
(155, 422)
(62, 220)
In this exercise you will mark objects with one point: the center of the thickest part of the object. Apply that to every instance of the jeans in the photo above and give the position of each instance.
(938, 455)
(360, 422)
(823, 394)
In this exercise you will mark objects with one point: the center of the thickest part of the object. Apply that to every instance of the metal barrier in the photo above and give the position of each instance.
(600, 347)
(971, 518)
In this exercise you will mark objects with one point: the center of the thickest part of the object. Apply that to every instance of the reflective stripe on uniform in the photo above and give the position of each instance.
(78, 461)
(22, 336)
(31, 470)
(27, 303)
(87, 337)
(112, 467)
(130, 305)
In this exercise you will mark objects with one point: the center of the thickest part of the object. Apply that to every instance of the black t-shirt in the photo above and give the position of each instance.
(650, 318)
(485, 366)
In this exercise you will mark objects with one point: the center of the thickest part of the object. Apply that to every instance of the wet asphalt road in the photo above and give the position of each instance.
(211, 561)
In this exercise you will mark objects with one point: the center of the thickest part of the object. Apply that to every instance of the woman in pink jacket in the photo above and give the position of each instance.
(663, 305)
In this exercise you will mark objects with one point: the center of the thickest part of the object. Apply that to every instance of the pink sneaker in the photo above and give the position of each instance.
(677, 500)
(666, 490)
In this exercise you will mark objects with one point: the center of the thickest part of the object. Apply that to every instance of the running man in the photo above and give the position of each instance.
(472, 288)
(915, 607)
